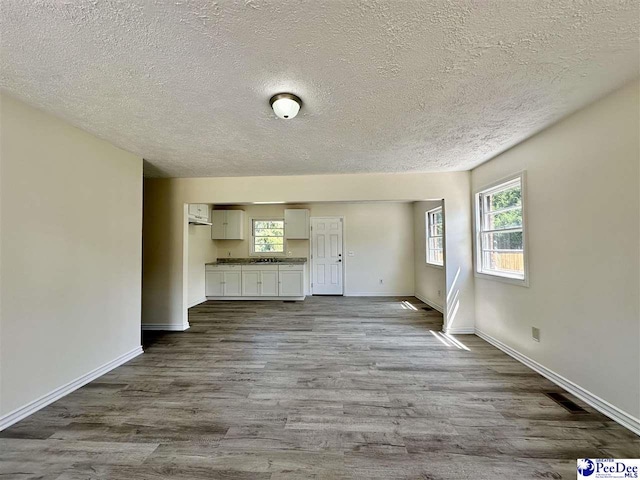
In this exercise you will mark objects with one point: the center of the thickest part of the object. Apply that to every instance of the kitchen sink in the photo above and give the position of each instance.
(267, 260)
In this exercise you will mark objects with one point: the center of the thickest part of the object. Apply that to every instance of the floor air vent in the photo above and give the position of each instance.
(569, 405)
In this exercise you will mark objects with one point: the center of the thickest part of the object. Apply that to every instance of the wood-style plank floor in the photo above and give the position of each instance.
(332, 388)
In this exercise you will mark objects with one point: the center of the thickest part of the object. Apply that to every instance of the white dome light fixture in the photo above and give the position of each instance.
(285, 105)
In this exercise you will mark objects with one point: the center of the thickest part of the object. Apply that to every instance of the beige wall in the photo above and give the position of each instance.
(379, 234)
(165, 293)
(71, 250)
(429, 279)
(201, 250)
(583, 212)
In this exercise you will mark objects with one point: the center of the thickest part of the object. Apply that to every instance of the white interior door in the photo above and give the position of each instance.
(326, 256)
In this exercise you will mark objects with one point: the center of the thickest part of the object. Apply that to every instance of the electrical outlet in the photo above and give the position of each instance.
(381, 281)
(439, 293)
(535, 334)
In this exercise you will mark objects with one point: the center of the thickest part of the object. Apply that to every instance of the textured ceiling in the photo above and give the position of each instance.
(387, 86)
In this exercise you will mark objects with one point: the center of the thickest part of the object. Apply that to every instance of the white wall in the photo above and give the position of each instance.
(379, 234)
(583, 215)
(429, 279)
(71, 252)
(201, 250)
(165, 293)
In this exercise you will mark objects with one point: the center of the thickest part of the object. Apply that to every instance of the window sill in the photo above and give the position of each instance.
(434, 265)
(520, 282)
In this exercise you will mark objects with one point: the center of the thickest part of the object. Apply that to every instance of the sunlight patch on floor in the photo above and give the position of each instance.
(408, 306)
(449, 340)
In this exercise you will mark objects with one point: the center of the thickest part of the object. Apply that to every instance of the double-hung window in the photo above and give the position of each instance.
(267, 236)
(500, 239)
(435, 237)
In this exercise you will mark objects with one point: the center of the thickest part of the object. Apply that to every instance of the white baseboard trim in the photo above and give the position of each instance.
(197, 302)
(282, 299)
(377, 294)
(460, 331)
(32, 407)
(604, 407)
(166, 327)
(433, 305)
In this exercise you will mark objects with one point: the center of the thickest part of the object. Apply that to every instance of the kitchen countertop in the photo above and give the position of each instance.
(259, 261)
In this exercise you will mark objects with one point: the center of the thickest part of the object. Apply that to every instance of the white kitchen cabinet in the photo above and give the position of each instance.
(296, 224)
(251, 283)
(269, 283)
(235, 225)
(223, 280)
(214, 283)
(254, 281)
(291, 278)
(227, 225)
(203, 211)
(232, 284)
(218, 220)
(198, 213)
(260, 280)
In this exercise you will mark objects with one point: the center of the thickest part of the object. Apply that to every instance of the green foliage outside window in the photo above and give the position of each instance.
(508, 219)
(268, 236)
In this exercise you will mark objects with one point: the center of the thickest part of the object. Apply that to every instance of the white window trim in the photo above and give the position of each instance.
(504, 278)
(252, 252)
(428, 236)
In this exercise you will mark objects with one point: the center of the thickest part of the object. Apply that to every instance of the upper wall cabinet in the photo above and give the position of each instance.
(199, 213)
(296, 224)
(227, 224)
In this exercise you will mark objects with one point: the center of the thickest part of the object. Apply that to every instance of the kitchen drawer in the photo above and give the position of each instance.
(291, 267)
(259, 267)
(222, 268)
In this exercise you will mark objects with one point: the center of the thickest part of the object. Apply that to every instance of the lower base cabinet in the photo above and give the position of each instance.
(291, 278)
(254, 280)
(213, 284)
(223, 281)
(260, 281)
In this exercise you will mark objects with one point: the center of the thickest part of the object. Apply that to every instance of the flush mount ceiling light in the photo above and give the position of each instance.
(285, 105)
